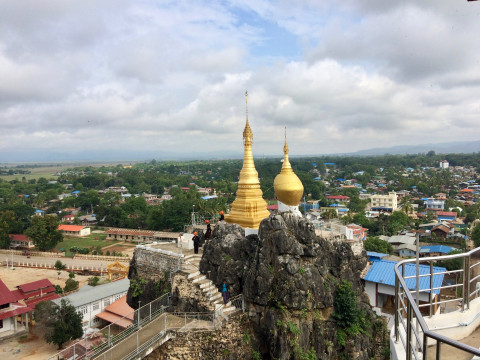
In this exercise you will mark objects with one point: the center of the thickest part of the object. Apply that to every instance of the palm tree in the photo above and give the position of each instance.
(407, 206)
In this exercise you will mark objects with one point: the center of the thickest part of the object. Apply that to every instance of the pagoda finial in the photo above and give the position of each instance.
(285, 147)
(246, 103)
(247, 132)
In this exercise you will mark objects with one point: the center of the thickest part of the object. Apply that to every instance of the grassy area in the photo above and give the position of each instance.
(85, 242)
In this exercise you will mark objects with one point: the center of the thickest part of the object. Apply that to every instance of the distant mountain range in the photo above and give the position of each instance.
(132, 155)
(439, 148)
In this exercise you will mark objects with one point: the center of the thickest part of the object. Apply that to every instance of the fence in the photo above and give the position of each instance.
(410, 326)
(32, 253)
(150, 325)
(124, 258)
(112, 334)
(44, 265)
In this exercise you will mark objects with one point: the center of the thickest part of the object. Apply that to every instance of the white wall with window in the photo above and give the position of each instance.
(92, 300)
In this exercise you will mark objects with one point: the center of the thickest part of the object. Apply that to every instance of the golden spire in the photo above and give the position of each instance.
(249, 207)
(287, 185)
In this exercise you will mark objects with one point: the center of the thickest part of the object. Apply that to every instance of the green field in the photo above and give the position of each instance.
(47, 172)
(85, 242)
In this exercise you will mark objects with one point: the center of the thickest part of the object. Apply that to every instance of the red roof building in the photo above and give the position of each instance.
(20, 241)
(9, 310)
(74, 230)
(34, 292)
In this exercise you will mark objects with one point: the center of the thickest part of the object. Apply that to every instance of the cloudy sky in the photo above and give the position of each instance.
(155, 78)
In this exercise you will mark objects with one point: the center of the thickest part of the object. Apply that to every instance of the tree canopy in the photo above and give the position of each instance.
(378, 245)
(44, 232)
(59, 324)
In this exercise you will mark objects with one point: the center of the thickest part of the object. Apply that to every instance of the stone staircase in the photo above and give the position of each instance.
(191, 265)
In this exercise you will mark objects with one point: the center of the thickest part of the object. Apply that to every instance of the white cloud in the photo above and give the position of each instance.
(170, 76)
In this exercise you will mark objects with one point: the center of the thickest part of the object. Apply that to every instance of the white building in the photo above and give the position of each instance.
(384, 202)
(444, 164)
(432, 203)
(92, 300)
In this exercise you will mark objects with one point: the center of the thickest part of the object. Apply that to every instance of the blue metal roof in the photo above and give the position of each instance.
(435, 248)
(382, 272)
(376, 254)
(209, 197)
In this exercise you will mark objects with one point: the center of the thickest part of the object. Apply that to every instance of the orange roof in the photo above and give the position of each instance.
(118, 312)
(70, 227)
(112, 318)
(120, 307)
(466, 190)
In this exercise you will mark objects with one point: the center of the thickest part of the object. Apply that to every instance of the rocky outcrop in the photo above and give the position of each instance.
(149, 277)
(231, 342)
(289, 278)
(186, 297)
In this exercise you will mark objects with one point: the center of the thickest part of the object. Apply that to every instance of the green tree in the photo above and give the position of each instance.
(59, 324)
(70, 285)
(7, 219)
(59, 266)
(44, 232)
(378, 245)
(93, 281)
(345, 305)
(476, 235)
(452, 264)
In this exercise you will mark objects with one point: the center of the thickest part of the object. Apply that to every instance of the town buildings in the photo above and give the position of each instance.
(384, 202)
(92, 300)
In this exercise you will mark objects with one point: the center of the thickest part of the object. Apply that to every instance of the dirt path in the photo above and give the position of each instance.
(22, 275)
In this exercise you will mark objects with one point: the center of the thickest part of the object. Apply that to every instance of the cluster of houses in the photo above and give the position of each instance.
(99, 305)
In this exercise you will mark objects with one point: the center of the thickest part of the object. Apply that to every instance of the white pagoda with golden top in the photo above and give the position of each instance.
(249, 207)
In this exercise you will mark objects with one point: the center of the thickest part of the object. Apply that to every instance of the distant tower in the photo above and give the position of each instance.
(249, 208)
(288, 187)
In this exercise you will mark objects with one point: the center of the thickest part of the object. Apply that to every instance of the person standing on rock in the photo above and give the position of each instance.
(225, 292)
(209, 230)
(222, 217)
(196, 242)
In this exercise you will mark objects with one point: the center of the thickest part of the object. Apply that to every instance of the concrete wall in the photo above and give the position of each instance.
(383, 289)
(7, 325)
(150, 261)
(456, 325)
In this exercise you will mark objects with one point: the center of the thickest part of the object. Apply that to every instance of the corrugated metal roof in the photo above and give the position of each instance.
(401, 239)
(382, 272)
(14, 310)
(95, 293)
(70, 227)
(35, 285)
(121, 308)
(6, 296)
(435, 248)
(376, 254)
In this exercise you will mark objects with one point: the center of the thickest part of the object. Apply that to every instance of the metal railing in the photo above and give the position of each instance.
(410, 326)
(150, 324)
(112, 334)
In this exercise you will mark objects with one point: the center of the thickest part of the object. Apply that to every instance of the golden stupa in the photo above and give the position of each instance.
(249, 208)
(287, 185)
